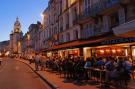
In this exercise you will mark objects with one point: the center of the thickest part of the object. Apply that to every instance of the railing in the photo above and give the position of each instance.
(96, 8)
(92, 31)
(103, 4)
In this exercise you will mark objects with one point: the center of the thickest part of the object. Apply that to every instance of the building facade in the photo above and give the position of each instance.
(89, 28)
(4, 48)
(34, 37)
(15, 38)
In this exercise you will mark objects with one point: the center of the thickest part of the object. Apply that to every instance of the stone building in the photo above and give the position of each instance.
(15, 38)
(34, 36)
(4, 46)
(90, 28)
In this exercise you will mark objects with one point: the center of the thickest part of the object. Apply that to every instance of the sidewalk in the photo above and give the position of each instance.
(54, 80)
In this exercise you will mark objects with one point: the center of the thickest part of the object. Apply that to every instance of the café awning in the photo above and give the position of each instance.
(125, 30)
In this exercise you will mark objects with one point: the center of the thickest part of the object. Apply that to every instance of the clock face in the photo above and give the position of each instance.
(16, 30)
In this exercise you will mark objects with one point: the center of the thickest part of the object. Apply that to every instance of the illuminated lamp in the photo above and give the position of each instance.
(102, 51)
(118, 50)
(76, 51)
(113, 51)
(133, 52)
(107, 50)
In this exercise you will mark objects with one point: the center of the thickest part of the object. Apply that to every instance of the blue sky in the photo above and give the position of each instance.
(28, 12)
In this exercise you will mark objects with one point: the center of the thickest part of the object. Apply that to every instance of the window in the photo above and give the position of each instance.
(67, 21)
(68, 37)
(74, 14)
(75, 35)
(61, 38)
(60, 6)
(66, 4)
(61, 24)
(114, 20)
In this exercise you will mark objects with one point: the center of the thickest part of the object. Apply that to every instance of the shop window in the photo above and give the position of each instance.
(133, 52)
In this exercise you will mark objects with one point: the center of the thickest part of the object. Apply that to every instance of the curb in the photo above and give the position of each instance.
(45, 80)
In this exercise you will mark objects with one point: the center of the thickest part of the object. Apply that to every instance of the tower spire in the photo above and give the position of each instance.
(17, 19)
(17, 25)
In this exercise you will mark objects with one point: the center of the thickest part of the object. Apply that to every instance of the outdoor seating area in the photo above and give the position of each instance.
(105, 72)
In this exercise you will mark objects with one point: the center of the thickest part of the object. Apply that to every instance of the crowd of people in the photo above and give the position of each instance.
(77, 68)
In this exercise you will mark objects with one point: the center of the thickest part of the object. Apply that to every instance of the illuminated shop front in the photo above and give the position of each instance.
(119, 47)
(87, 52)
(133, 52)
(69, 52)
(64, 53)
(111, 51)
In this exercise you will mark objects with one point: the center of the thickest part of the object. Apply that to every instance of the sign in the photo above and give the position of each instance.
(118, 41)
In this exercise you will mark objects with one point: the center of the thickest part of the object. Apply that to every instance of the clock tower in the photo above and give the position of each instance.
(17, 26)
(15, 38)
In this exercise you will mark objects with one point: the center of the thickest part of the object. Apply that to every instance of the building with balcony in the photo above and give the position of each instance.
(91, 28)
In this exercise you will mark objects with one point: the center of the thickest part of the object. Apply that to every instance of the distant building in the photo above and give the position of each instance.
(4, 46)
(34, 36)
(15, 38)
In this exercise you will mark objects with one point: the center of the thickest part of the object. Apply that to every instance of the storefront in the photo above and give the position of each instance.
(113, 51)
(97, 47)
(117, 47)
(69, 52)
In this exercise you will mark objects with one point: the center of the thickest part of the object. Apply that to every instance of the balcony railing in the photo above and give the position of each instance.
(92, 31)
(103, 5)
(96, 8)
(129, 26)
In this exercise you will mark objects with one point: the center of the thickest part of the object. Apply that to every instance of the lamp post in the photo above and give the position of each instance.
(28, 43)
(18, 48)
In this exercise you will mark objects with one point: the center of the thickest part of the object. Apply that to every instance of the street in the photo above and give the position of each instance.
(17, 75)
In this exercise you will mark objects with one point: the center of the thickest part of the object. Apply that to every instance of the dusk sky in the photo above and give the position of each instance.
(28, 12)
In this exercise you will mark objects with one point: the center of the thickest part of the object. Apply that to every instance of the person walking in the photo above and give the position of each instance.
(43, 62)
(37, 62)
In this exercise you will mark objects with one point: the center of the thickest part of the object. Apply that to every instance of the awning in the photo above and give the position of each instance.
(125, 30)
(77, 43)
(97, 42)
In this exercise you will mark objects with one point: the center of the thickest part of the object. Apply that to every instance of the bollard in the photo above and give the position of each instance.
(0, 62)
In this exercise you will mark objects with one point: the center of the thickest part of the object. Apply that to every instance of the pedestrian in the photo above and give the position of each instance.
(43, 62)
(37, 62)
(30, 59)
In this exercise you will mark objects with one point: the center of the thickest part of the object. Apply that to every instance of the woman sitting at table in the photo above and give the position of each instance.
(109, 66)
(87, 66)
(100, 63)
